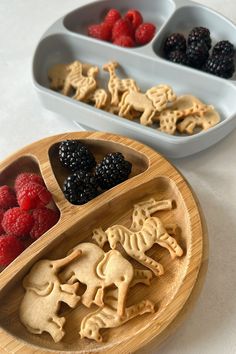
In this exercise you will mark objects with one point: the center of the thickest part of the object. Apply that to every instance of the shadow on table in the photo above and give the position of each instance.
(215, 312)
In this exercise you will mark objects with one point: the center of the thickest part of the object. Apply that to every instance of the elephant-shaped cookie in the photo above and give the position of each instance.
(44, 293)
(98, 270)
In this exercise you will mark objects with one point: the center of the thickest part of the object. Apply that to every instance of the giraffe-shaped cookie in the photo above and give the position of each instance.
(117, 85)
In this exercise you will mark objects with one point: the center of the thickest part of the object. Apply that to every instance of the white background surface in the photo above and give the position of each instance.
(211, 327)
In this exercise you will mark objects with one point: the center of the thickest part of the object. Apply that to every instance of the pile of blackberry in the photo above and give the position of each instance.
(88, 179)
(194, 52)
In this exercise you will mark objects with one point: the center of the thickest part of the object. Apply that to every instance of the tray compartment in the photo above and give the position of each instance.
(161, 292)
(139, 161)
(63, 48)
(156, 12)
(187, 17)
(22, 164)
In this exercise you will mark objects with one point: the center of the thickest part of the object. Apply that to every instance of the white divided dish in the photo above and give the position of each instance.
(66, 40)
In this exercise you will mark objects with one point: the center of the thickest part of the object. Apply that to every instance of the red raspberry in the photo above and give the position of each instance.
(112, 16)
(33, 195)
(101, 31)
(17, 222)
(10, 248)
(27, 177)
(44, 219)
(2, 211)
(144, 33)
(124, 41)
(135, 18)
(7, 197)
(122, 27)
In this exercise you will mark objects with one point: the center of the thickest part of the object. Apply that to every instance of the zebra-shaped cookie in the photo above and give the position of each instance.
(144, 233)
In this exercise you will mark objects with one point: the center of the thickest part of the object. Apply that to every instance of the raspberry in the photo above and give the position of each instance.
(44, 219)
(101, 31)
(124, 41)
(7, 197)
(112, 16)
(2, 211)
(122, 27)
(17, 222)
(26, 177)
(144, 33)
(33, 195)
(135, 18)
(10, 248)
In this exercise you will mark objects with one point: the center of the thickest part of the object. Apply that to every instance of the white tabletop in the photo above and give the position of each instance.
(210, 329)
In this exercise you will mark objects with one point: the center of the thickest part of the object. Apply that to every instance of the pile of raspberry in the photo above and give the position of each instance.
(127, 31)
(24, 216)
(195, 52)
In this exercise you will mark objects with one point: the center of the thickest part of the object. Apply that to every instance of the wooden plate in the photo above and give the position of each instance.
(152, 176)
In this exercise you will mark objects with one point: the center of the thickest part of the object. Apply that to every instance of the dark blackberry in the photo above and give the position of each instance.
(197, 54)
(178, 57)
(223, 48)
(199, 34)
(76, 156)
(80, 187)
(175, 41)
(220, 65)
(112, 170)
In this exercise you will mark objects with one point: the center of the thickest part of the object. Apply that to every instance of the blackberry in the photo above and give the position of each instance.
(200, 34)
(178, 57)
(76, 156)
(197, 54)
(80, 187)
(175, 41)
(223, 48)
(220, 65)
(112, 170)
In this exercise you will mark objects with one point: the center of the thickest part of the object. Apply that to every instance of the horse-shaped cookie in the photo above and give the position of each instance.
(145, 231)
(44, 294)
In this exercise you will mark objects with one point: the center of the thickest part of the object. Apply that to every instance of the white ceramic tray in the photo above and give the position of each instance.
(66, 40)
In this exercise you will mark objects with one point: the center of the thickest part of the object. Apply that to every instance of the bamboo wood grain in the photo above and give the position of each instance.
(152, 176)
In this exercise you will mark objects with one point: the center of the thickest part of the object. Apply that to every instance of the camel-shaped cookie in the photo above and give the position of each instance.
(204, 120)
(184, 107)
(58, 73)
(106, 317)
(117, 85)
(98, 270)
(44, 294)
(83, 85)
(154, 100)
(146, 232)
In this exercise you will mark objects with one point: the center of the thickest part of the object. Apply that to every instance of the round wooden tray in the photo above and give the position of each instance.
(173, 293)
